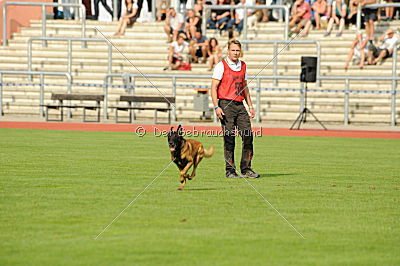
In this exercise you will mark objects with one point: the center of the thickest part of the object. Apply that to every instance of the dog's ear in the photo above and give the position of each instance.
(179, 130)
(171, 130)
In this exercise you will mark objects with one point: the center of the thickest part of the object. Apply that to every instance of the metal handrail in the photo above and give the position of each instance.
(359, 8)
(42, 74)
(394, 79)
(210, 7)
(43, 5)
(69, 40)
(346, 92)
(276, 42)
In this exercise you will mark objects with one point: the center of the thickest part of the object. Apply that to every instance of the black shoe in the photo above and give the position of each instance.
(232, 175)
(250, 174)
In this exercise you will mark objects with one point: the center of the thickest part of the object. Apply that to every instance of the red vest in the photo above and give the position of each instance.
(231, 86)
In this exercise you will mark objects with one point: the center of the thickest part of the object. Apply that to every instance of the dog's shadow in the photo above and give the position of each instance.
(201, 189)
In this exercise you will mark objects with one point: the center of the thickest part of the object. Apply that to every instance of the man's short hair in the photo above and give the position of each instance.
(234, 42)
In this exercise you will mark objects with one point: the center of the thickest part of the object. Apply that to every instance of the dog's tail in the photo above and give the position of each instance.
(210, 152)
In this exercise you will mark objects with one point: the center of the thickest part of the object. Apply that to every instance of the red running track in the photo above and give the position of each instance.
(162, 129)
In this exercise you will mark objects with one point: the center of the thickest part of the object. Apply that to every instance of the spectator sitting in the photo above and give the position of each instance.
(193, 24)
(127, 19)
(162, 7)
(264, 12)
(176, 51)
(301, 18)
(352, 17)
(219, 18)
(320, 7)
(359, 50)
(339, 14)
(198, 47)
(389, 11)
(329, 7)
(385, 50)
(173, 24)
(239, 17)
(214, 53)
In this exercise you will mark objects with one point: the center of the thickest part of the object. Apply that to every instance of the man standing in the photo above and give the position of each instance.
(228, 90)
(370, 16)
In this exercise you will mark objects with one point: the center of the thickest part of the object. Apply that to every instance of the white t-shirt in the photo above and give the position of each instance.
(179, 49)
(219, 68)
(240, 11)
(175, 21)
(388, 43)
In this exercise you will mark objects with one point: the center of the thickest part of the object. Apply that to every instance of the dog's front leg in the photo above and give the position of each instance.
(196, 162)
(184, 175)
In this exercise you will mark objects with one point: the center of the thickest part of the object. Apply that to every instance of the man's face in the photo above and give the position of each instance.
(234, 52)
(390, 33)
(173, 12)
(180, 40)
(198, 35)
(243, 1)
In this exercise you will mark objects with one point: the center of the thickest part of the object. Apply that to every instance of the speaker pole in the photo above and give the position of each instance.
(302, 117)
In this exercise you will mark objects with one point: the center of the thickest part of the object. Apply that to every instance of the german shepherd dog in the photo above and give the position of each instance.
(186, 153)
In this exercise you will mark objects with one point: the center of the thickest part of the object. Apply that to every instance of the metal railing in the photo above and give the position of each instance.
(207, 9)
(41, 74)
(359, 11)
(275, 54)
(69, 40)
(43, 5)
(346, 91)
(394, 63)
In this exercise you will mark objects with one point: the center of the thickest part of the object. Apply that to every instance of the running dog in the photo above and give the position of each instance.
(186, 153)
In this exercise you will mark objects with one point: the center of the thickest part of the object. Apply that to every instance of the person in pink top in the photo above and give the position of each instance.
(301, 18)
(320, 8)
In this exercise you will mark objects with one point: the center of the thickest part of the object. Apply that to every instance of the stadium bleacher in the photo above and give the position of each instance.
(146, 48)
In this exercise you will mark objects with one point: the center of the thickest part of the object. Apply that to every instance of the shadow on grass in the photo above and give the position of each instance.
(201, 189)
(275, 175)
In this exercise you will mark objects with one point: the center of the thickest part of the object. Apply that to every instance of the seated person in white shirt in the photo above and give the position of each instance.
(385, 50)
(177, 50)
(239, 17)
(174, 23)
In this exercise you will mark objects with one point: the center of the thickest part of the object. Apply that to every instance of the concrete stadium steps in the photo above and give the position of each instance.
(145, 44)
(84, 65)
(331, 64)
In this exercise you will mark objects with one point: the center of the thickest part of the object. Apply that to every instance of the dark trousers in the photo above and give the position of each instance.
(96, 8)
(139, 7)
(119, 4)
(236, 118)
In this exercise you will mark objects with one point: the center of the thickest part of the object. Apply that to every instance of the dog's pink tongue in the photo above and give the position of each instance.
(171, 149)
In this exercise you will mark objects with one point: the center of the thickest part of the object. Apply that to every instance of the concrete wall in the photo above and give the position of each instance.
(19, 16)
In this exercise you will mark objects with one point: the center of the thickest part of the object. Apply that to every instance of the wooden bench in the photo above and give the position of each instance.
(74, 97)
(144, 99)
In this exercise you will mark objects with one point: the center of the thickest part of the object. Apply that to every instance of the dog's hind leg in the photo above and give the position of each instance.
(184, 174)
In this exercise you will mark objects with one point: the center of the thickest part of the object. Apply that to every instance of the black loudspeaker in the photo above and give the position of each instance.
(308, 69)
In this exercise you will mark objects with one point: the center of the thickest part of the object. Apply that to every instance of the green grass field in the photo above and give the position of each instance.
(59, 189)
